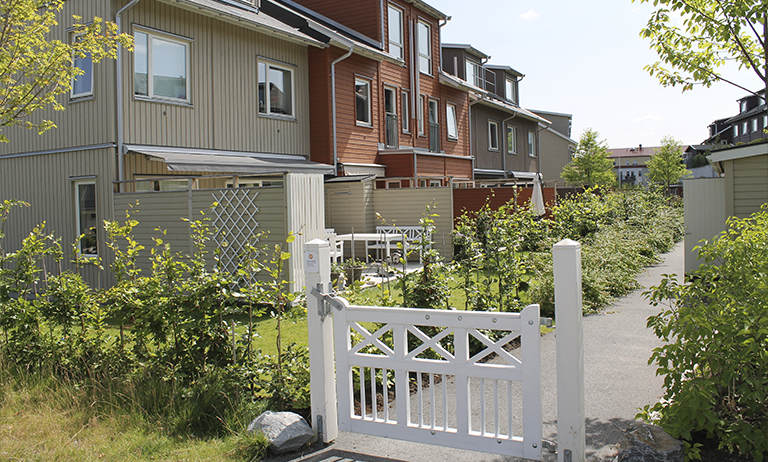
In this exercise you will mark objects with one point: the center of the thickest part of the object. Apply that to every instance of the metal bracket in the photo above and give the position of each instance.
(568, 456)
(328, 301)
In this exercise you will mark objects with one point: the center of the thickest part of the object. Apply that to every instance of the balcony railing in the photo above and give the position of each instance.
(434, 137)
(392, 140)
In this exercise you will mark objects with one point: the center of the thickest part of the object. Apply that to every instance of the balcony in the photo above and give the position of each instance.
(392, 141)
(434, 137)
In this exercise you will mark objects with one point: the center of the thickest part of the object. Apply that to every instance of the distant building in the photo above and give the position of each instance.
(631, 164)
(746, 126)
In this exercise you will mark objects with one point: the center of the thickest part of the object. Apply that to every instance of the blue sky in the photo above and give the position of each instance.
(586, 58)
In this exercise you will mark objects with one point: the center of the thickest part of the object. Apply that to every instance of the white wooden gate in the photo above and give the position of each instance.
(440, 377)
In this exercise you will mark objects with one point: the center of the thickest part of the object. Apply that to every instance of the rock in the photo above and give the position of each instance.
(286, 431)
(648, 443)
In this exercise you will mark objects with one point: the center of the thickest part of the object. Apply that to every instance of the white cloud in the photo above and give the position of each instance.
(529, 16)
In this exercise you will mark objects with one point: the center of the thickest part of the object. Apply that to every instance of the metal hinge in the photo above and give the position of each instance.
(328, 300)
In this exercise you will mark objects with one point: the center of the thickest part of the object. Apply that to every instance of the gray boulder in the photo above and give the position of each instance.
(285, 431)
(648, 443)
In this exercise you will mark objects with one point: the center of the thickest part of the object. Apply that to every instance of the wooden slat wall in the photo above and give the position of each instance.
(357, 144)
(223, 88)
(306, 216)
(86, 121)
(406, 206)
(361, 15)
(750, 185)
(473, 199)
(320, 123)
(45, 181)
(350, 206)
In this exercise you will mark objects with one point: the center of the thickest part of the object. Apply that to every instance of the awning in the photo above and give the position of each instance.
(209, 160)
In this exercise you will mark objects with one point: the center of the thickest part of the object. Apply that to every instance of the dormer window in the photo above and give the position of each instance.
(743, 106)
(509, 90)
(474, 74)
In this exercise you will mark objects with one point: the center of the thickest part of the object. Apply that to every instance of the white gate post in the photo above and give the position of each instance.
(322, 382)
(571, 434)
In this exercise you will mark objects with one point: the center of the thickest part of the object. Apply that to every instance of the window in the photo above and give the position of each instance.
(395, 31)
(735, 130)
(493, 135)
(406, 97)
(275, 89)
(161, 66)
(511, 140)
(420, 114)
(425, 48)
(451, 122)
(743, 106)
(82, 85)
(765, 121)
(744, 128)
(85, 205)
(390, 118)
(363, 102)
(754, 125)
(474, 73)
(509, 88)
(433, 111)
(532, 144)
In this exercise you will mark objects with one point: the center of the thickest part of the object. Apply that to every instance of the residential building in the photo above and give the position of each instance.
(556, 148)
(504, 136)
(631, 164)
(393, 113)
(212, 88)
(748, 125)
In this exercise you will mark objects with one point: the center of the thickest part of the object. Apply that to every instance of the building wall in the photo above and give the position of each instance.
(487, 159)
(223, 109)
(704, 210)
(364, 16)
(748, 181)
(554, 154)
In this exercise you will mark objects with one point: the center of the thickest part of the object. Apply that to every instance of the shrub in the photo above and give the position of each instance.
(715, 330)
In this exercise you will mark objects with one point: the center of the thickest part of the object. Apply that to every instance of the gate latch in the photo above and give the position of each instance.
(328, 301)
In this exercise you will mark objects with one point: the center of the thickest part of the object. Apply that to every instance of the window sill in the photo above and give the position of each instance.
(455, 140)
(147, 99)
(285, 118)
(81, 98)
(363, 124)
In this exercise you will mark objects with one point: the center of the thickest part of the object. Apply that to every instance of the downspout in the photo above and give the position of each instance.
(119, 96)
(333, 100)
(414, 93)
(471, 139)
(381, 15)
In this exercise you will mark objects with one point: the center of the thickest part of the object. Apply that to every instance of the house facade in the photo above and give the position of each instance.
(556, 146)
(505, 138)
(631, 164)
(745, 127)
(213, 96)
(392, 115)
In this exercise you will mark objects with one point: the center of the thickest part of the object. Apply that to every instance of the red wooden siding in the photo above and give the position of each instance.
(473, 199)
(363, 16)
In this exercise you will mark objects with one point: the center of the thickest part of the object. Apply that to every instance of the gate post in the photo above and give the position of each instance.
(322, 381)
(571, 434)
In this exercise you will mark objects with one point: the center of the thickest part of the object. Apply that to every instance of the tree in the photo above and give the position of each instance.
(666, 167)
(590, 165)
(35, 68)
(713, 32)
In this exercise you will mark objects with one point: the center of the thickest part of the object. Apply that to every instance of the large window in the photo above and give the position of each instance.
(451, 122)
(406, 97)
(511, 140)
(425, 48)
(85, 205)
(82, 85)
(275, 89)
(161, 66)
(493, 135)
(395, 31)
(363, 102)
(532, 144)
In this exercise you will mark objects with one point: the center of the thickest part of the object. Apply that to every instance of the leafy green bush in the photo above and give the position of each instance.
(715, 330)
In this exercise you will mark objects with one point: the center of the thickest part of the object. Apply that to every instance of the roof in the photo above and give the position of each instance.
(424, 6)
(633, 152)
(740, 152)
(248, 17)
(468, 48)
(744, 115)
(455, 82)
(212, 160)
(511, 109)
(504, 68)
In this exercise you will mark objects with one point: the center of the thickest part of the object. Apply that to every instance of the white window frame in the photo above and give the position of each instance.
(513, 130)
(420, 112)
(78, 224)
(267, 97)
(531, 144)
(86, 75)
(367, 83)
(509, 87)
(476, 77)
(754, 125)
(406, 104)
(395, 42)
(493, 139)
(744, 128)
(428, 55)
(451, 121)
(154, 35)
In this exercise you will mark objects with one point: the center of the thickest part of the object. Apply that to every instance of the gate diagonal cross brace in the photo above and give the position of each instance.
(430, 342)
(371, 339)
(495, 347)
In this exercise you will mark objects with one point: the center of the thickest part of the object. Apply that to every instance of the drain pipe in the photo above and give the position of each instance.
(333, 98)
(119, 96)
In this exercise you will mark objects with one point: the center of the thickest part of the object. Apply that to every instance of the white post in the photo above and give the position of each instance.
(317, 265)
(571, 434)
